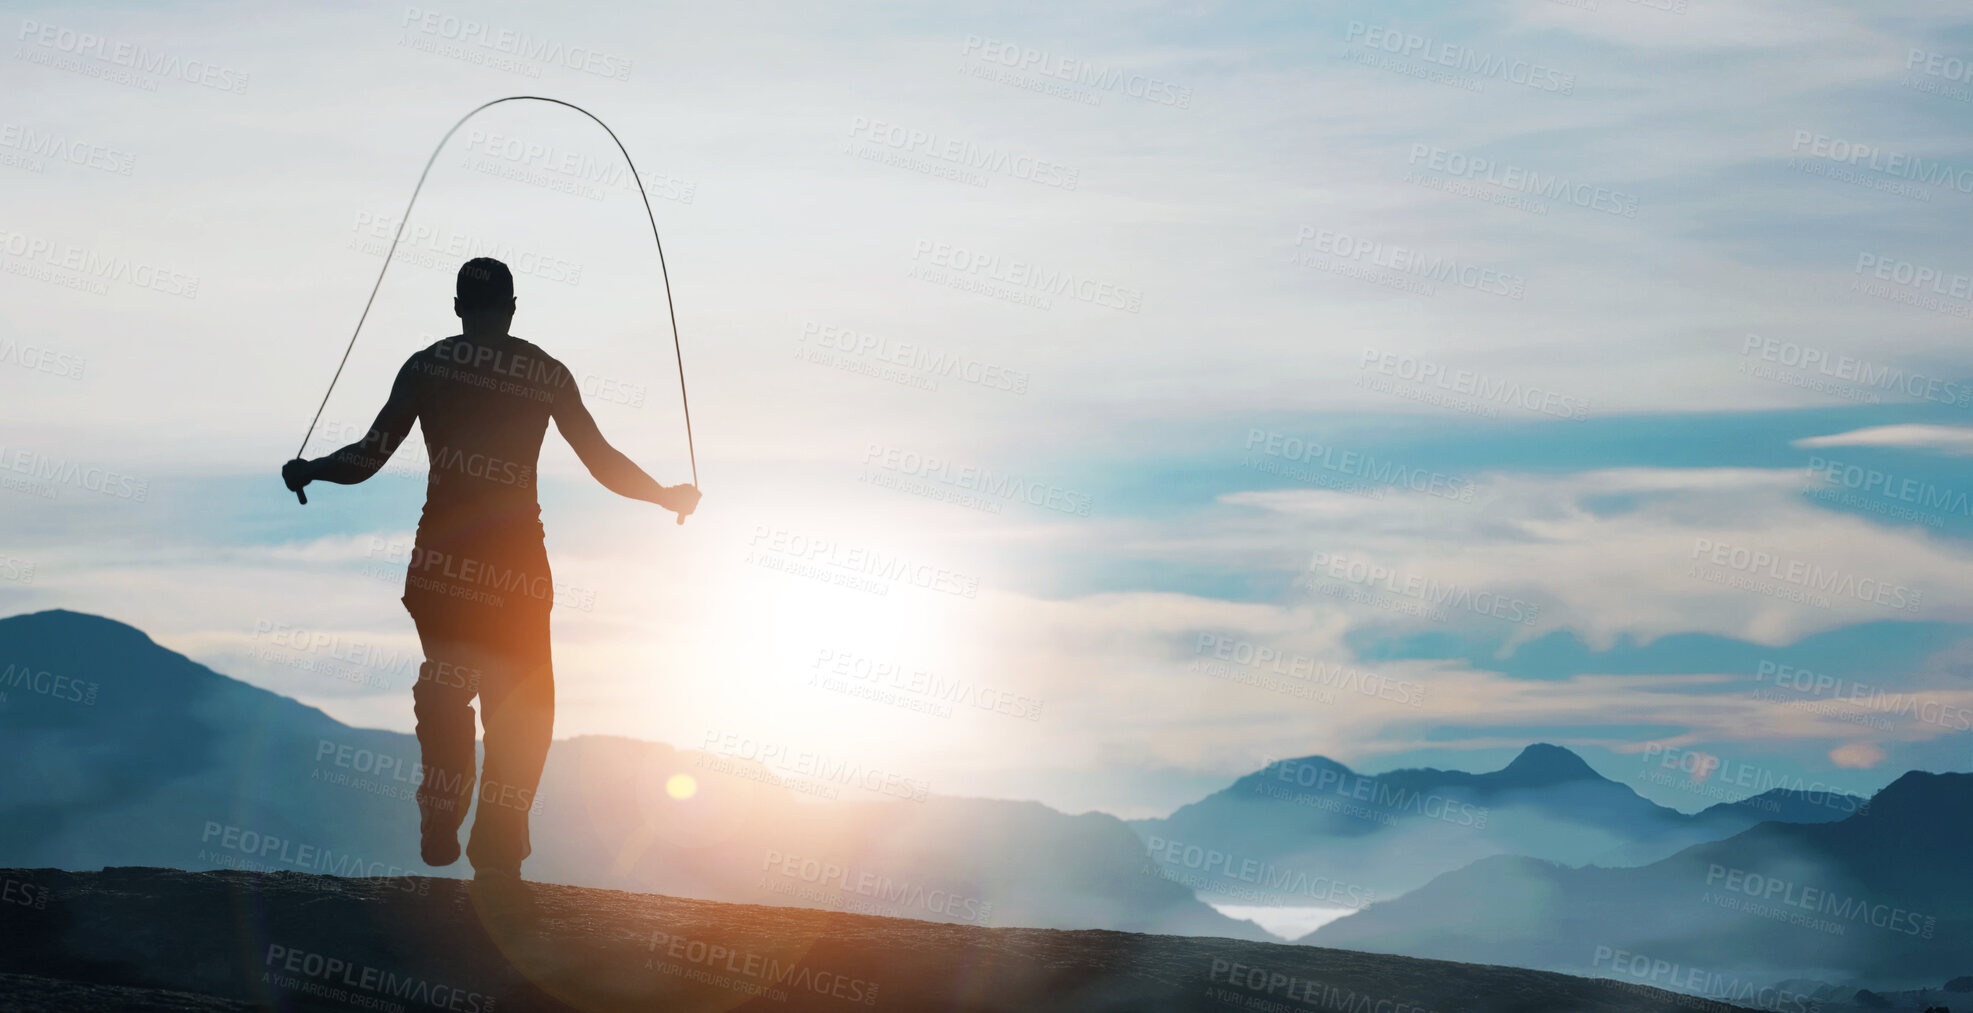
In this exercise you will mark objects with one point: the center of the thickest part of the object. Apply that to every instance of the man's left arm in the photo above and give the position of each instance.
(618, 473)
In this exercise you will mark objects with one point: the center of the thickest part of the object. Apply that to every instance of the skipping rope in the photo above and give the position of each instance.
(670, 309)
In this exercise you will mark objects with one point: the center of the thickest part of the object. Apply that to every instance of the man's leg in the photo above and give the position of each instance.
(517, 706)
(442, 703)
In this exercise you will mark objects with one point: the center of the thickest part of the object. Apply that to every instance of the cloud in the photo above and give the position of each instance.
(686, 637)
(1953, 440)
(1643, 552)
(1857, 755)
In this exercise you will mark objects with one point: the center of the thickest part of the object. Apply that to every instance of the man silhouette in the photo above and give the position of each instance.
(478, 585)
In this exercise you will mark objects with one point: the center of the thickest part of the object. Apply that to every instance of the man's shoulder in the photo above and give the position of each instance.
(536, 351)
(430, 353)
(543, 366)
(456, 358)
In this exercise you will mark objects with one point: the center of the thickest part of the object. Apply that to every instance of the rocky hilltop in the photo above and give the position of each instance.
(158, 939)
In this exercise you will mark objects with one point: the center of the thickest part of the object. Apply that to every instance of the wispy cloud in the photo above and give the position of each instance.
(1954, 440)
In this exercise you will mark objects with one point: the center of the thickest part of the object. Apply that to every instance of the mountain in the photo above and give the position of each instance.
(117, 751)
(1312, 832)
(1786, 805)
(1883, 899)
(153, 939)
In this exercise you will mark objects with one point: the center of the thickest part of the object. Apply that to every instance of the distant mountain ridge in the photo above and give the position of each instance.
(1314, 820)
(120, 752)
(1885, 897)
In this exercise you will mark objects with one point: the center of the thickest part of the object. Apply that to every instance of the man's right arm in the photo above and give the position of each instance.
(365, 457)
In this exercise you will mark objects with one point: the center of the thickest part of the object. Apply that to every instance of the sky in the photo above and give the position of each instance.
(1090, 406)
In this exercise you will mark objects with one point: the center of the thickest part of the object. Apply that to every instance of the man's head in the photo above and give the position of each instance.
(485, 295)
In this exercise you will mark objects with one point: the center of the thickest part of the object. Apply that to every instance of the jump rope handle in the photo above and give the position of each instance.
(300, 495)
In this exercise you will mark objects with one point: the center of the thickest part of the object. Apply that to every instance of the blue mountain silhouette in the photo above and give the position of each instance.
(1883, 897)
(1313, 819)
(168, 763)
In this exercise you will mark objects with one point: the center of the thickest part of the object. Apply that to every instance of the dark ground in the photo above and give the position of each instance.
(159, 939)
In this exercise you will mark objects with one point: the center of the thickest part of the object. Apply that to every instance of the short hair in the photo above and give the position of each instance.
(484, 284)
